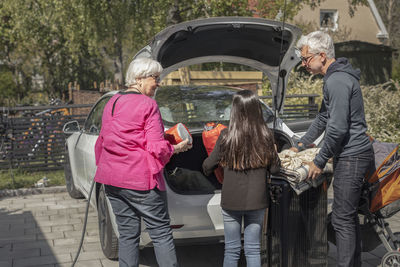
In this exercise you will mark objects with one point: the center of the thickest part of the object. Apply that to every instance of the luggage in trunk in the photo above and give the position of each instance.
(184, 173)
(296, 229)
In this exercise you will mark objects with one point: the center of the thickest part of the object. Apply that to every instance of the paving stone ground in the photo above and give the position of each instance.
(369, 259)
(44, 230)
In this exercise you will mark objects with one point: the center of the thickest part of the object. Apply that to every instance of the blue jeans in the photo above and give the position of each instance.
(349, 173)
(129, 206)
(253, 221)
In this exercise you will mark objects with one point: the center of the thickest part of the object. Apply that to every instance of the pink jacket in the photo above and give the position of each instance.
(131, 151)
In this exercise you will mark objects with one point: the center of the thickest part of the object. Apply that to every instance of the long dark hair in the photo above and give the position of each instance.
(249, 143)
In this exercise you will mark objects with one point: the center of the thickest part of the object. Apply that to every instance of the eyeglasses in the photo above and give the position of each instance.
(306, 60)
(156, 77)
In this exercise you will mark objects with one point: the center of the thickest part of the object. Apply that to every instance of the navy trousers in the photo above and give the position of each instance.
(349, 174)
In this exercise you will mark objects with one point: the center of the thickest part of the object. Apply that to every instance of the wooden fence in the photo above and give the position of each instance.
(32, 138)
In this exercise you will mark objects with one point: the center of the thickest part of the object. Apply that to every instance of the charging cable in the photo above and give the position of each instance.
(84, 224)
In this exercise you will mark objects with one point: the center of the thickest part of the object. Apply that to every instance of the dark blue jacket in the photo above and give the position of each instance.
(341, 115)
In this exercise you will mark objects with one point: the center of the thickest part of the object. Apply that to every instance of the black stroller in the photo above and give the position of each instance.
(380, 200)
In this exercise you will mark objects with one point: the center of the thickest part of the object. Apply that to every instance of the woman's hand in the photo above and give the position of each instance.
(182, 146)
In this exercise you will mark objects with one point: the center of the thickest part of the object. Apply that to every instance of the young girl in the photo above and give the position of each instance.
(246, 151)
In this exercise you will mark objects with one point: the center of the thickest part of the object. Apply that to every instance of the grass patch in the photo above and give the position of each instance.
(24, 179)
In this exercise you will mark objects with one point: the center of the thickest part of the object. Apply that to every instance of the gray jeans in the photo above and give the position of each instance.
(349, 173)
(129, 207)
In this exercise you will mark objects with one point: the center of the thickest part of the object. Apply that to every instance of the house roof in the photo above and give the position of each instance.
(355, 45)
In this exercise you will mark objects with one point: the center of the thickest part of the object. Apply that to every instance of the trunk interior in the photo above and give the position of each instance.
(184, 173)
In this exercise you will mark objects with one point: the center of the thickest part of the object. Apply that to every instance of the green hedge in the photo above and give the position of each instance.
(382, 111)
(13, 179)
(381, 102)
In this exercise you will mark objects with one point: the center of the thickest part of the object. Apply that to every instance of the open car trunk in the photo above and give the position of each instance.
(184, 173)
(259, 43)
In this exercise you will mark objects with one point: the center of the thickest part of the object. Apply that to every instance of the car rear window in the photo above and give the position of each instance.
(194, 106)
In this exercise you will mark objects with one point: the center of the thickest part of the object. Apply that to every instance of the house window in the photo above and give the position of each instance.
(328, 19)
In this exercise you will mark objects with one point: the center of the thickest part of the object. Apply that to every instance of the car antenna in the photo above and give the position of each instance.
(281, 74)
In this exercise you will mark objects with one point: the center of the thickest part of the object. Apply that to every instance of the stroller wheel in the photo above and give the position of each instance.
(391, 259)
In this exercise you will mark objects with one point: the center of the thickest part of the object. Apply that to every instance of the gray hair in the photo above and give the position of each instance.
(141, 68)
(317, 42)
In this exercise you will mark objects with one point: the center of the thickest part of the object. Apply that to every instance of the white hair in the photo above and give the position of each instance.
(141, 68)
(317, 42)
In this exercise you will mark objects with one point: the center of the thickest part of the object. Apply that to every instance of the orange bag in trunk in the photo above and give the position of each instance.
(177, 134)
(210, 136)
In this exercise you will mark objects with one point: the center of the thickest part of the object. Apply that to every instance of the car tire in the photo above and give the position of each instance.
(69, 180)
(108, 239)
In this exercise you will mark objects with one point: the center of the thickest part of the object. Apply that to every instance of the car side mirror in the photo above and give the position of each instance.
(71, 127)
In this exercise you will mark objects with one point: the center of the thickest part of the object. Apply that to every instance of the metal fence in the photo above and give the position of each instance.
(292, 112)
(32, 137)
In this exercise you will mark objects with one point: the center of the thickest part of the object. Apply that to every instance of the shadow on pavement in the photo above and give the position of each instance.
(22, 241)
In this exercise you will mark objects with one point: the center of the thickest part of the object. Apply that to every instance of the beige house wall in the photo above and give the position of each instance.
(362, 26)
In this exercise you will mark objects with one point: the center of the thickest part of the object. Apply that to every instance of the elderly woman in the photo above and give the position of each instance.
(131, 153)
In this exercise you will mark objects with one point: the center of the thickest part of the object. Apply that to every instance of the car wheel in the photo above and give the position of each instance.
(69, 181)
(108, 239)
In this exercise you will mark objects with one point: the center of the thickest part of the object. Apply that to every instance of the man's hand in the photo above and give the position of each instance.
(313, 171)
(294, 149)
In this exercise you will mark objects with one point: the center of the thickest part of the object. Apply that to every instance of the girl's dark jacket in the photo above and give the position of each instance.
(241, 190)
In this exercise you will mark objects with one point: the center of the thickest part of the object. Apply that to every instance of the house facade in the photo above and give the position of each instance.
(362, 38)
(365, 25)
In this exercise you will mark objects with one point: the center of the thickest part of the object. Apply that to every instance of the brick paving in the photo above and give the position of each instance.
(369, 259)
(45, 229)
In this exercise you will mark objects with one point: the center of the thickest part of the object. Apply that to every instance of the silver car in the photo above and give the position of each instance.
(193, 198)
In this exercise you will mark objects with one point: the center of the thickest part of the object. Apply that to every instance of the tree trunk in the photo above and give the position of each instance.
(174, 14)
(118, 63)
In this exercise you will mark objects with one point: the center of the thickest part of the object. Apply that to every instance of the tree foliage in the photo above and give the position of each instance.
(46, 39)
(8, 88)
(390, 13)
(47, 44)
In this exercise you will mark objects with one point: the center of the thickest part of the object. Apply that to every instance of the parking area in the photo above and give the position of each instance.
(45, 229)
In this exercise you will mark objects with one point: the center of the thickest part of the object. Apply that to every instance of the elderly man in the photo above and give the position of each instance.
(342, 118)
